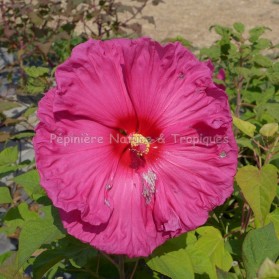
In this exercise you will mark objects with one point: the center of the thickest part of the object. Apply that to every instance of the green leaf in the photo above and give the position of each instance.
(172, 259)
(225, 275)
(259, 189)
(26, 213)
(242, 71)
(271, 108)
(268, 270)
(244, 126)
(36, 72)
(34, 234)
(7, 169)
(35, 89)
(268, 130)
(29, 111)
(262, 61)
(30, 181)
(262, 44)
(274, 78)
(213, 52)
(202, 263)
(13, 220)
(211, 244)
(239, 27)
(6, 105)
(256, 32)
(273, 217)
(23, 135)
(258, 245)
(45, 262)
(67, 248)
(5, 196)
(8, 156)
(244, 142)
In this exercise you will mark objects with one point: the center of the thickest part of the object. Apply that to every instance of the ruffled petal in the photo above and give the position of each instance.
(131, 229)
(90, 85)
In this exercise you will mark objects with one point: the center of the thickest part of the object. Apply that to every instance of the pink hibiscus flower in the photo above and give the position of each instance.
(134, 144)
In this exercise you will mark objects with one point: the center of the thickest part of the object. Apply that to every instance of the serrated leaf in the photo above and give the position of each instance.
(172, 259)
(269, 129)
(268, 270)
(259, 189)
(36, 233)
(242, 71)
(258, 245)
(213, 52)
(36, 72)
(262, 61)
(262, 43)
(239, 27)
(211, 244)
(8, 156)
(244, 126)
(5, 196)
(256, 32)
(30, 181)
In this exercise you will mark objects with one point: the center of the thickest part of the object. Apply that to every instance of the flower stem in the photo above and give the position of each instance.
(121, 267)
(134, 269)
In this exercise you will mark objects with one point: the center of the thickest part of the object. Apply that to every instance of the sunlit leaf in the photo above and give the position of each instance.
(259, 188)
(8, 156)
(244, 126)
(172, 259)
(269, 129)
(30, 181)
(211, 244)
(36, 72)
(268, 270)
(5, 196)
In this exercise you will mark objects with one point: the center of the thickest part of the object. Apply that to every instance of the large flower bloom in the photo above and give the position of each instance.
(134, 144)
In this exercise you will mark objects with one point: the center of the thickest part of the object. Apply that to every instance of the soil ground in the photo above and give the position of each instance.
(192, 18)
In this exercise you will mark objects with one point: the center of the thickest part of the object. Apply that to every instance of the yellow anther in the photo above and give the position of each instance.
(140, 144)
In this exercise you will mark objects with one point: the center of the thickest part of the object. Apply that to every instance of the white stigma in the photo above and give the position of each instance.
(149, 181)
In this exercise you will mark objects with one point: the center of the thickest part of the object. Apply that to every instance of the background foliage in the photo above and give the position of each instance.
(239, 240)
